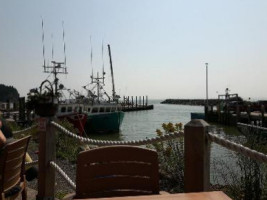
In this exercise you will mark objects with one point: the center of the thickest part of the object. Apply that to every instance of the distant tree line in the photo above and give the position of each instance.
(8, 93)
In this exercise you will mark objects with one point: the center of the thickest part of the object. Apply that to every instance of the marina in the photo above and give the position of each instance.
(177, 109)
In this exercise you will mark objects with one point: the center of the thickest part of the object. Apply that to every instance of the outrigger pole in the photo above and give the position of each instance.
(111, 68)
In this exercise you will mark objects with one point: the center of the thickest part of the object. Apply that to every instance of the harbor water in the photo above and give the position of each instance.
(143, 124)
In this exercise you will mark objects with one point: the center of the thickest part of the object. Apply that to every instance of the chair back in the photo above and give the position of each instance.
(12, 158)
(117, 171)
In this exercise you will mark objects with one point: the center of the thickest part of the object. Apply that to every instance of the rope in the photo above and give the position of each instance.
(24, 130)
(238, 148)
(108, 142)
(252, 126)
(35, 162)
(63, 174)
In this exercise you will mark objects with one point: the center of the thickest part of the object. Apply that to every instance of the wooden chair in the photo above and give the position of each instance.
(117, 171)
(12, 163)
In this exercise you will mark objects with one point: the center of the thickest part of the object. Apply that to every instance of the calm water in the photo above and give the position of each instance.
(142, 124)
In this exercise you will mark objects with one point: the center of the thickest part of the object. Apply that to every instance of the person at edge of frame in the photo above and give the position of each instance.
(6, 136)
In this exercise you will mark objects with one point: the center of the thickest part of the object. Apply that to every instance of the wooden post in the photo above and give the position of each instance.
(197, 156)
(227, 115)
(262, 115)
(143, 101)
(218, 108)
(22, 109)
(128, 101)
(237, 113)
(47, 149)
(136, 101)
(206, 112)
(146, 100)
(249, 113)
(132, 102)
(124, 101)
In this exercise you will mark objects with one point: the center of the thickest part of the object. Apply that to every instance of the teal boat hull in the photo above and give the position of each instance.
(104, 122)
(197, 115)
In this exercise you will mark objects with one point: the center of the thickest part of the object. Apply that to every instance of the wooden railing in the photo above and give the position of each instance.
(197, 141)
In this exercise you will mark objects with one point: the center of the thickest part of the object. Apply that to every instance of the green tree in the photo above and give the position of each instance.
(8, 93)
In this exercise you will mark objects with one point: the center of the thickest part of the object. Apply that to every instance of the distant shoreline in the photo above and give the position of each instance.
(195, 102)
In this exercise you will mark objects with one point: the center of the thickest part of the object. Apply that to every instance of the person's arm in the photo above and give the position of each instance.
(2, 137)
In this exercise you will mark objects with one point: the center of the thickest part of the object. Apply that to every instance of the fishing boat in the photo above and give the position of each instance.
(103, 118)
(104, 113)
(72, 112)
(91, 114)
(68, 109)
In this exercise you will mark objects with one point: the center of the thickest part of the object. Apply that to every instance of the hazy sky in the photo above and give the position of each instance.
(159, 48)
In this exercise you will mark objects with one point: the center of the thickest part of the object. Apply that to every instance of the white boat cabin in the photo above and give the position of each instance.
(67, 109)
(102, 108)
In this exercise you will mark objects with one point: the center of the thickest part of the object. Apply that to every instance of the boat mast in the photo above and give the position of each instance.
(98, 87)
(111, 68)
(56, 67)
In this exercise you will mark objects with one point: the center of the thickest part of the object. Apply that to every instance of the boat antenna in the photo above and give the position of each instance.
(56, 67)
(52, 46)
(111, 68)
(103, 65)
(43, 37)
(98, 87)
(91, 60)
(64, 46)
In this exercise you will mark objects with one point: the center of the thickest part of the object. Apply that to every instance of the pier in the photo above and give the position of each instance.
(195, 102)
(135, 104)
(232, 116)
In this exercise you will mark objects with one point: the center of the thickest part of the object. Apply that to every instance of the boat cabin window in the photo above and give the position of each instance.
(94, 110)
(69, 109)
(108, 109)
(89, 110)
(101, 109)
(113, 109)
(63, 109)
